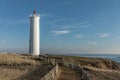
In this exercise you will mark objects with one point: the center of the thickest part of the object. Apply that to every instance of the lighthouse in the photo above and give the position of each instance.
(34, 43)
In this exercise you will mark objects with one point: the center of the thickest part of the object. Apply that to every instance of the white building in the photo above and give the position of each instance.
(34, 44)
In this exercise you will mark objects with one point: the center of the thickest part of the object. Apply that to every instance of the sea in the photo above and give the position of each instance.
(113, 57)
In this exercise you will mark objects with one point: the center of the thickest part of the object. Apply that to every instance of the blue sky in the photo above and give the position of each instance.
(67, 26)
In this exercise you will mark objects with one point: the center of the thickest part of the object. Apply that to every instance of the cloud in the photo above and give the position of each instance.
(14, 22)
(24, 21)
(69, 23)
(104, 35)
(77, 25)
(64, 3)
(62, 32)
(2, 41)
(45, 15)
(92, 42)
(78, 36)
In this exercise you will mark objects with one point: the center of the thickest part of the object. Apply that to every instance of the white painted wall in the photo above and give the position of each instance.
(34, 44)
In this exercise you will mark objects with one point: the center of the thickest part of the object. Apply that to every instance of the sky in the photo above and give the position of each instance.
(66, 26)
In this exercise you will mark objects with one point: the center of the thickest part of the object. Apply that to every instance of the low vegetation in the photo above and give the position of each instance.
(104, 75)
(13, 66)
(28, 67)
(97, 68)
(100, 63)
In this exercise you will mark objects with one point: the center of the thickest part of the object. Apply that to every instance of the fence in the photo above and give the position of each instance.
(84, 75)
(53, 74)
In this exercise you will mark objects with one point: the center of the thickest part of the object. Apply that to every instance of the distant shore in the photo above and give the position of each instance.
(113, 57)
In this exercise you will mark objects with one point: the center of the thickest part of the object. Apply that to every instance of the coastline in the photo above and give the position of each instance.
(22, 66)
(113, 57)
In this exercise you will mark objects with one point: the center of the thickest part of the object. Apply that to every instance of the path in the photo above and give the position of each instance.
(68, 74)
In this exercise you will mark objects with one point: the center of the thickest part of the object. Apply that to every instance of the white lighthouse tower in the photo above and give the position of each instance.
(34, 44)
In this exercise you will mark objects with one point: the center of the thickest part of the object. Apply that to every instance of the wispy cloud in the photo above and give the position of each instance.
(14, 22)
(64, 3)
(45, 15)
(78, 36)
(92, 42)
(69, 23)
(62, 32)
(81, 36)
(77, 25)
(104, 35)
(2, 41)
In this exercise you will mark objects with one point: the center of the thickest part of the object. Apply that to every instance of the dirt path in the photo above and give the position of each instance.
(68, 74)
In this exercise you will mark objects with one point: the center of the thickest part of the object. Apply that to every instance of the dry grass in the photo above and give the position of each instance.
(16, 65)
(98, 68)
(11, 74)
(17, 59)
(27, 67)
(104, 75)
(101, 63)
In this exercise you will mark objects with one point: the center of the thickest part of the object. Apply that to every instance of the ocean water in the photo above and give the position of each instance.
(114, 57)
